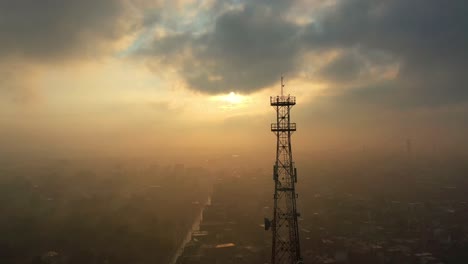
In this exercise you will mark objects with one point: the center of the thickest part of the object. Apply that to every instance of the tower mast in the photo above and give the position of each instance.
(284, 225)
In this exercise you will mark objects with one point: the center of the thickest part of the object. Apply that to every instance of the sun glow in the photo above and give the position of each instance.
(232, 98)
(233, 103)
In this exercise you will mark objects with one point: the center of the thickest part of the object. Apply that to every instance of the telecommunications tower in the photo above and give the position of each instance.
(285, 242)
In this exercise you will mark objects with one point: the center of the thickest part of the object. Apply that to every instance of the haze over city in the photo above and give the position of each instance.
(161, 109)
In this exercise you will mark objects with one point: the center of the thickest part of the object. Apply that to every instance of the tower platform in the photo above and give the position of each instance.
(275, 127)
(282, 100)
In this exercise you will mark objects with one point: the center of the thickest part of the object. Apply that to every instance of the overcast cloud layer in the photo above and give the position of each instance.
(81, 71)
(58, 29)
(250, 45)
(222, 46)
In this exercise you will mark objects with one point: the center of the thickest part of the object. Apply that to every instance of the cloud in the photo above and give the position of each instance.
(248, 49)
(358, 65)
(417, 45)
(36, 36)
(51, 30)
(427, 37)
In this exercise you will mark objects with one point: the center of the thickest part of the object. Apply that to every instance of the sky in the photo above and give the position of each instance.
(139, 77)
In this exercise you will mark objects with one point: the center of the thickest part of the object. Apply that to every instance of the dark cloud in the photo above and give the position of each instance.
(247, 50)
(250, 47)
(356, 64)
(245, 46)
(429, 38)
(54, 29)
(344, 68)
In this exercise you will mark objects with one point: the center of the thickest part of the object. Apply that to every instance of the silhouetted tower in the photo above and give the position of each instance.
(285, 248)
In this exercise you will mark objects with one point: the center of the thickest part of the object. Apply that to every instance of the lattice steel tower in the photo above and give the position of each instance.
(286, 247)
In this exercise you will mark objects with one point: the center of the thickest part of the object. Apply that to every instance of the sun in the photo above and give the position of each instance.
(231, 101)
(232, 98)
